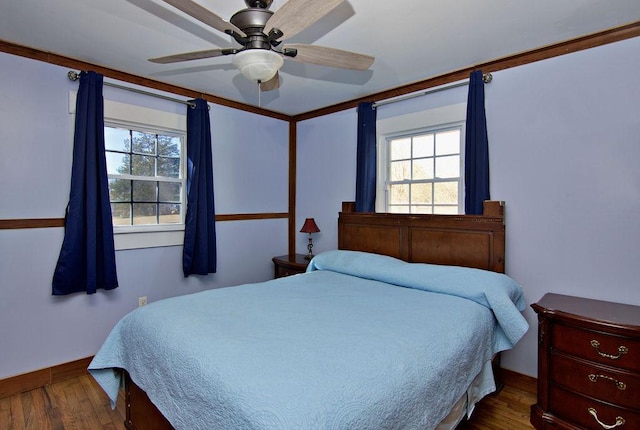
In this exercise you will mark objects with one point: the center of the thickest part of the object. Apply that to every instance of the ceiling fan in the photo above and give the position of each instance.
(260, 32)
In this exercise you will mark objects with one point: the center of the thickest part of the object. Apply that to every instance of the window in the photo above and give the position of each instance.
(146, 153)
(146, 176)
(424, 172)
(421, 162)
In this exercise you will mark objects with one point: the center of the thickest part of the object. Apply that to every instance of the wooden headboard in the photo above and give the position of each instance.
(461, 240)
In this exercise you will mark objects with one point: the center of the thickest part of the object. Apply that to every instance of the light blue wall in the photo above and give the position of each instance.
(564, 139)
(326, 174)
(38, 330)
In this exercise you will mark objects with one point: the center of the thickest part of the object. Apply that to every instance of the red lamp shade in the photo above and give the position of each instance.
(309, 226)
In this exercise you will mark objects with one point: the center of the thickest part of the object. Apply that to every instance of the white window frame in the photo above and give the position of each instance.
(153, 120)
(413, 124)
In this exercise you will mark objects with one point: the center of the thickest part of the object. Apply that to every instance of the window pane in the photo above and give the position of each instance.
(400, 170)
(169, 191)
(144, 213)
(423, 168)
(142, 165)
(400, 149)
(399, 209)
(422, 209)
(117, 139)
(117, 163)
(143, 143)
(446, 210)
(145, 191)
(169, 167)
(446, 193)
(423, 146)
(168, 146)
(425, 178)
(119, 190)
(421, 193)
(146, 196)
(448, 167)
(448, 142)
(121, 213)
(399, 194)
(170, 213)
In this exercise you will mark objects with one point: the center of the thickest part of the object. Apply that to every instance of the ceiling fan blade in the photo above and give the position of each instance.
(188, 56)
(271, 84)
(296, 15)
(331, 57)
(204, 15)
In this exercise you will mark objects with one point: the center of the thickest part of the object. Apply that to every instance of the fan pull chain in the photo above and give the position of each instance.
(259, 96)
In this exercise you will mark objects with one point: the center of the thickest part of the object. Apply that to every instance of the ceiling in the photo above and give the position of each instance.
(411, 40)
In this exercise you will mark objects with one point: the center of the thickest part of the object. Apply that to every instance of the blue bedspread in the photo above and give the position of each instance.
(323, 350)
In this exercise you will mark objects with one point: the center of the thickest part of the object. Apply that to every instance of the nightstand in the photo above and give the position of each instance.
(285, 266)
(588, 364)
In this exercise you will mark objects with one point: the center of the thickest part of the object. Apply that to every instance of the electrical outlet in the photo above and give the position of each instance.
(142, 301)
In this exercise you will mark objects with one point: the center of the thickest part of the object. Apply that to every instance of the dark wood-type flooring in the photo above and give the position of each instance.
(80, 404)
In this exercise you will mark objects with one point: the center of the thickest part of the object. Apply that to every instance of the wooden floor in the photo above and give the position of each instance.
(507, 410)
(80, 404)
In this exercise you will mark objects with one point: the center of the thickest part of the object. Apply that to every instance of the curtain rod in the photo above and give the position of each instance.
(486, 78)
(74, 76)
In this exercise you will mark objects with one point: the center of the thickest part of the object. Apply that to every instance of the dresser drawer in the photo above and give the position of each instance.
(608, 384)
(576, 409)
(588, 364)
(602, 348)
(286, 271)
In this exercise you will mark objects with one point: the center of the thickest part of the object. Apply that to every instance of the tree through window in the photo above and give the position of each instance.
(146, 178)
(424, 172)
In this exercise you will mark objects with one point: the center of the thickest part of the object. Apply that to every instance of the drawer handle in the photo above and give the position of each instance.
(622, 350)
(621, 385)
(619, 420)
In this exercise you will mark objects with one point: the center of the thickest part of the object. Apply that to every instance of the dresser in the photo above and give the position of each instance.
(588, 364)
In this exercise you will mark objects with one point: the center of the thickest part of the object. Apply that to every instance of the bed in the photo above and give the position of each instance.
(363, 340)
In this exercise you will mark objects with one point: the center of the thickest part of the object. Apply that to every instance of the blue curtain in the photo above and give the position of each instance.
(476, 148)
(366, 158)
(199, 252)
(87, 259)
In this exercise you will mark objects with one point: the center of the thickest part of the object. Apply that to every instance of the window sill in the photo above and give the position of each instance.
(148, 239)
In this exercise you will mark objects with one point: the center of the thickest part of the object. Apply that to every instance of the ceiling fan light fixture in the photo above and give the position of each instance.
(258, 65)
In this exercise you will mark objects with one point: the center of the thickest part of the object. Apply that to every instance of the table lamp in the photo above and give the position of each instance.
(309, 227)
